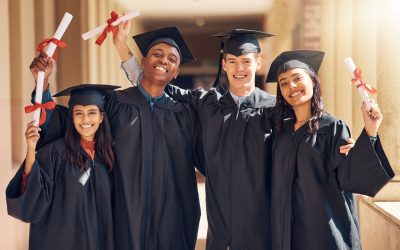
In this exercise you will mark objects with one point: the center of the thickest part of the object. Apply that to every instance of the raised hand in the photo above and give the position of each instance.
(372, 119)
(42, 63)
(120, 38)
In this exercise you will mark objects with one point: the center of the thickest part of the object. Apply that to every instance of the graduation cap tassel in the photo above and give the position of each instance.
(221, 55)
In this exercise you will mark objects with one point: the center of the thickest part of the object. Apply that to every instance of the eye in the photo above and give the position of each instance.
(172, 59)
(283, 84)
(298, 78)
(157, 54)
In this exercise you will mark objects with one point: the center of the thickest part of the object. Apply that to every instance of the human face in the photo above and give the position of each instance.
(296, 87)
(241, 70)
(161, 63)
(87, 120)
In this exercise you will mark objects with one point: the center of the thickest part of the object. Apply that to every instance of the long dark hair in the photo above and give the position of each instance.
(103, 143)
(284, 110)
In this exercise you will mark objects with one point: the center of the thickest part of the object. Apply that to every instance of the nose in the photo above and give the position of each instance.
(293, 84)
(239, 66)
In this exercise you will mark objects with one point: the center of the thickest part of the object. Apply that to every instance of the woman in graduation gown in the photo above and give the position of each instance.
(313, 206)
(64, 190)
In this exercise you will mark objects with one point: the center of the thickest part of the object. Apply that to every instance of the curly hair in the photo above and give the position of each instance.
(284, 110)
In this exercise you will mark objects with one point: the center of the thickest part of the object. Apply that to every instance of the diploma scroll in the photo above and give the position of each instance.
(49, 51)
(100, 29)
(351, 67)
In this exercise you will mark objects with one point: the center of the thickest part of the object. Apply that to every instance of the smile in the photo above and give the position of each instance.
(86, 126)
(295, 94)
(239, 76)
(161, 69)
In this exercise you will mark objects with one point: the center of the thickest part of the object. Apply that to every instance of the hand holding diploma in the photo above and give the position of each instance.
(38, 108)
(111, 26)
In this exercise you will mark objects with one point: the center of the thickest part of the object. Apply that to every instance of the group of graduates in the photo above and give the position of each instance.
(116, 169)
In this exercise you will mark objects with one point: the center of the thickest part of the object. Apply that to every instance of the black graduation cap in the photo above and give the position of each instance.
(86, 94)
(305, 59)
(168, 35)
(239, 42)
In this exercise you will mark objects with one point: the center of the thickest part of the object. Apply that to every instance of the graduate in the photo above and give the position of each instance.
(156, 204)
(64, 190)
(236, 129)
(313, 205)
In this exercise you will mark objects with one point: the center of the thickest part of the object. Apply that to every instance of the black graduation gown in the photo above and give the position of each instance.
(237, 144)
(312, 185)
(64, 213)
(156, 203)
(156, 199)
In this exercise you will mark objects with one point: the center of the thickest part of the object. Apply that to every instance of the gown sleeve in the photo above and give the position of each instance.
(33, 203)
(366, 168)
(132, 70)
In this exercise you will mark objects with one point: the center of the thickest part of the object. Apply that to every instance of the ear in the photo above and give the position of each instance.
(142, 62)
(223, 63)
(258, 62)
(178, 70)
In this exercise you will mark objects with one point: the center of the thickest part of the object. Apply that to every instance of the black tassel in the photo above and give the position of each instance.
(221, 55)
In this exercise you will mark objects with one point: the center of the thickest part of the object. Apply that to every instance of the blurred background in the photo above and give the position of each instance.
(367, 30)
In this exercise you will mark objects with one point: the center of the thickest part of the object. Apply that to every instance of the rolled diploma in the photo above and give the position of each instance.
(49, 51)
(100, 29)
(351, 67)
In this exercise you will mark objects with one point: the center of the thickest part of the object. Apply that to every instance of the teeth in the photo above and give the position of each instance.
(86, 126)
(295, 94)
(239, 76)
(161, 69)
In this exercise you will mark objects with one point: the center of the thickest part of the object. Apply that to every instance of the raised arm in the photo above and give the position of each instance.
(54, 126)
(366, 168)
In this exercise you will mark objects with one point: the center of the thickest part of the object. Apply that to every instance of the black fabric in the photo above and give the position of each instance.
(312, 186)
(168, 35)
(305, 59)
(237, 144)
(64, 214)
(86, 94)
(156, 204)
(241, 41)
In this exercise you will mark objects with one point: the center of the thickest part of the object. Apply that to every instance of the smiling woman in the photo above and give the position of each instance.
(67, 185)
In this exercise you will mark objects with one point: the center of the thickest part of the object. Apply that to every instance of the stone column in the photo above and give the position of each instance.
(343, 49)
(22, 50)
(388, 65)
(327, 73)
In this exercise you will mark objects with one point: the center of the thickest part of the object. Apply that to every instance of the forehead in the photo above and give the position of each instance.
(291, 72)
(79, 107)
(166, 48)
(244, 56)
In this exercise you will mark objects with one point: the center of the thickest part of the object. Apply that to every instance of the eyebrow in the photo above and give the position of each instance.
(294, 74)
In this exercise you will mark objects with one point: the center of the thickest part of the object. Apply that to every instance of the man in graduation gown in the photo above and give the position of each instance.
(236, 129)
(156, 203)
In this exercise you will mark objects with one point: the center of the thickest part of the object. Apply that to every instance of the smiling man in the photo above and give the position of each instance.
(236, 129)
(156, 204)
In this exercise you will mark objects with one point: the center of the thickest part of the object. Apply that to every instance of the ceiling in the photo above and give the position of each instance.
(197, 8)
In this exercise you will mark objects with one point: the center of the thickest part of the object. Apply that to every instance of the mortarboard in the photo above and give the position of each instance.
(168, 35)
(239, 42)
(86, 94)
(305, 59)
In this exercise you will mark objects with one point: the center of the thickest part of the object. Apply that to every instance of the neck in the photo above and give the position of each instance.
(302, 112)
(152, 89)
(245, 91)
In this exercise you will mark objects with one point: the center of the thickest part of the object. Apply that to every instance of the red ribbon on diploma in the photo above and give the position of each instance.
(357, 80)
(43, 107)
(108, 28)
(46, 41)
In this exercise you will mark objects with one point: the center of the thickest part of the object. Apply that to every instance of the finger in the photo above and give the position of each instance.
(350, 140)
